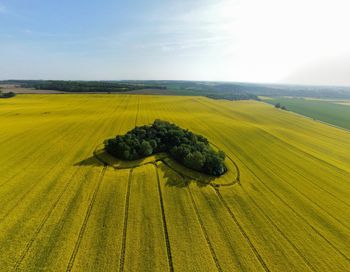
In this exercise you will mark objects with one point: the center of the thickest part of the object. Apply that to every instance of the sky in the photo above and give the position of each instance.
(275, 41)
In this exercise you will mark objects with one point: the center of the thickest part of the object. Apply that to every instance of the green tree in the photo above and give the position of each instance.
(145, 148)
(194, 160)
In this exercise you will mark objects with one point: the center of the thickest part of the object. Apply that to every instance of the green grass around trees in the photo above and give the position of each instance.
(191, 150)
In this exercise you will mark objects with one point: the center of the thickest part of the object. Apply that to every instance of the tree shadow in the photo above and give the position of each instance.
(91, 161)
(174, 174)
(174, 178)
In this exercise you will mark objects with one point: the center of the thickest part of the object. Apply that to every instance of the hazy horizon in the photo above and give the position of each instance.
(278, 42)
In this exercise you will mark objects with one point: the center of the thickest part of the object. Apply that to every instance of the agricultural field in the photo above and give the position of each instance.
(332, 111)
(62, 209)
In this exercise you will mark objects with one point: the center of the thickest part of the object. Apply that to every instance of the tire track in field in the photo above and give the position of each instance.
(300, 216)
(293, 186)
(86, 219)
(297, 191)
(57, 139)
(205, 233)
(241, 229)
(125, 227)
(308, 154)
(323, 237)
(36, 158)
(269, 220)
(280, 231)
(319, 187)
(313, 202)
(295, 212)
(46, 217)
(21, 134)
(33, 128)
(294, 150)
(300, 193)
(166, 234)
(23, 195)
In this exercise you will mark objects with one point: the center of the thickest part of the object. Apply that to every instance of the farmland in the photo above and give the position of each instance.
(64, 210)
(335, 112)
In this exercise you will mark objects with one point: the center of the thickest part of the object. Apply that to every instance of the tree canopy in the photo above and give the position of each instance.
(6, 95)
(87, 86)
(191, 150)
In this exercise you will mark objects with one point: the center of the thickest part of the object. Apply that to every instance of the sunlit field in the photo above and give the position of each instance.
(62, 209)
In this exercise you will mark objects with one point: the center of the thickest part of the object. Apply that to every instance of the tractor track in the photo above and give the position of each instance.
(300, 216)
(23, 195)
(45, 218)
(125, 226)
(280, 231)
(244, 234)
(86, 219)
(205, 233)
(166, 234)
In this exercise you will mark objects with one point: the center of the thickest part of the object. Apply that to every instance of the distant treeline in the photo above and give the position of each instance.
(234, 96)
(241, 90)
(191, 150)
(215, 90)
(87, 86)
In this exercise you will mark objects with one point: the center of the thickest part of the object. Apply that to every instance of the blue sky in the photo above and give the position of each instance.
(232, 40)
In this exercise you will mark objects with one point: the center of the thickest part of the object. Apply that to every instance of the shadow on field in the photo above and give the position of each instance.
(176, 179)
(89, 161)
(173, 173)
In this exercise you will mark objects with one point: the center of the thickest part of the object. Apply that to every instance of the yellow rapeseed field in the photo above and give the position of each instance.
(62, 209)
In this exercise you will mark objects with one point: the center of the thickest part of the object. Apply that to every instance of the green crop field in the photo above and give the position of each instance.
(335, 112)
(62, 209)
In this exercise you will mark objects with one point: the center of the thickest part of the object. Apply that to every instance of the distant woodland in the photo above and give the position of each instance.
(214, 90)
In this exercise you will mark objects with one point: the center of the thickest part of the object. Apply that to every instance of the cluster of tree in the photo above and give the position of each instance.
(86, 86)
(7, 95)
(278, 106)
(191, 150)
